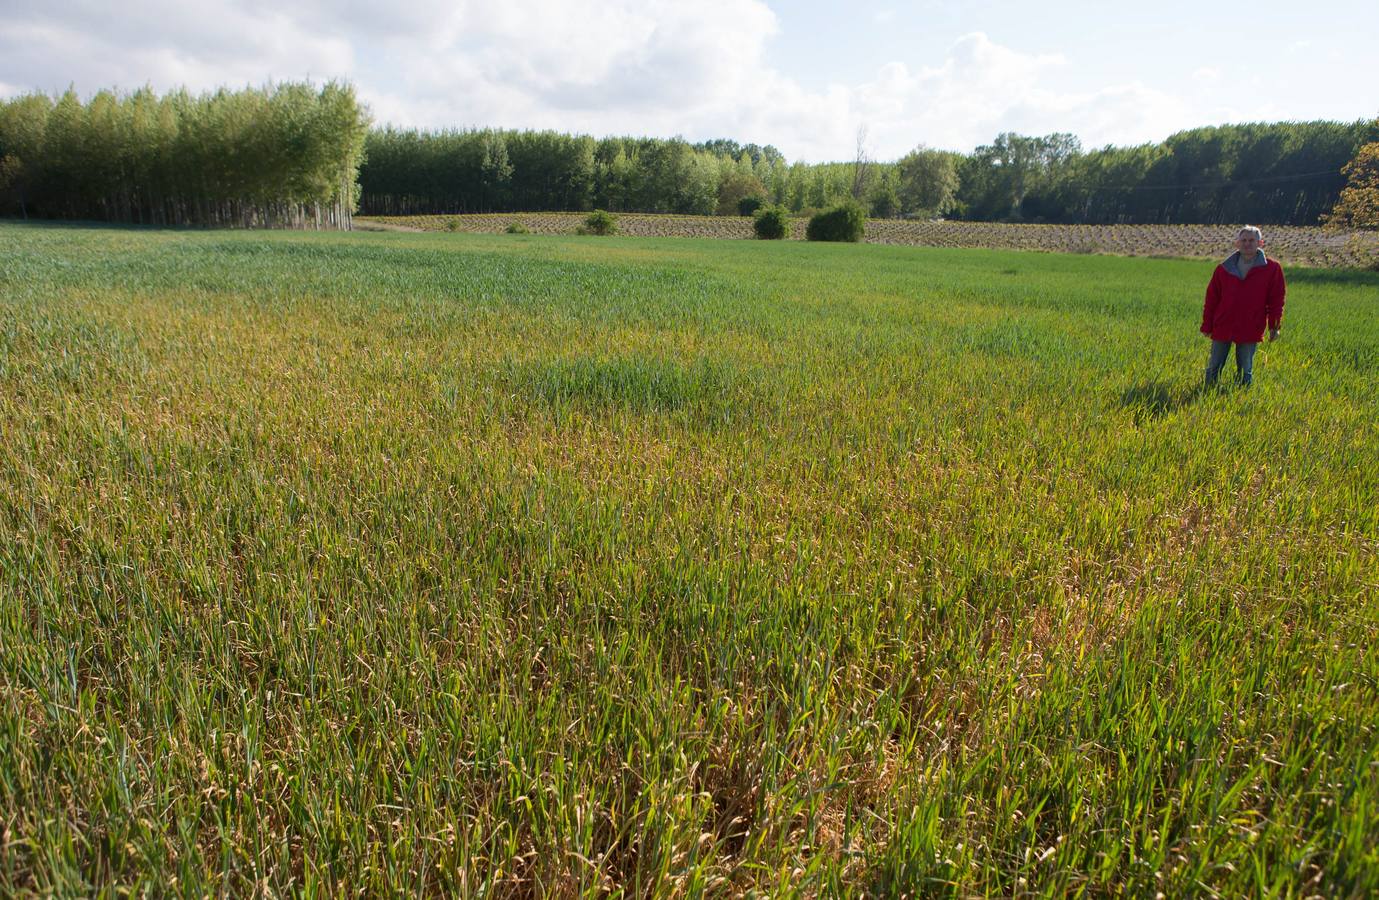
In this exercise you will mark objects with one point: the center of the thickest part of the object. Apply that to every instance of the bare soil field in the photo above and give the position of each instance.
(1300, 245)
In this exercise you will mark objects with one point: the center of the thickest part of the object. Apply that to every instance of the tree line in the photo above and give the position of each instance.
(1281, 173)
(286, 155)
(408, 172)
(293, 155)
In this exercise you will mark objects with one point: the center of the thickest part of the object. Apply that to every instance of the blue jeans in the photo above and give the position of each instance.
(1244, 361)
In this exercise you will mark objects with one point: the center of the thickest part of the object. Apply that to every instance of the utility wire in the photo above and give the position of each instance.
(1219, 184)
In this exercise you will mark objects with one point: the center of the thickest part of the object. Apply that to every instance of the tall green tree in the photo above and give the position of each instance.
(927, 182)
(285, 155)
(997, 177)
(1358, 206)
(1285, 173)
(495, 170)
(23, 131)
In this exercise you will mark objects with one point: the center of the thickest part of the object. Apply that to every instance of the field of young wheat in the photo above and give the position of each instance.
(505, 565)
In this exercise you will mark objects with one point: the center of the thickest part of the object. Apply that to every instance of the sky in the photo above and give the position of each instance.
(808, 77)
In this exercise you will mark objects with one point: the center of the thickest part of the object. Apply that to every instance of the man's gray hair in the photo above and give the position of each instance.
(1250, 229)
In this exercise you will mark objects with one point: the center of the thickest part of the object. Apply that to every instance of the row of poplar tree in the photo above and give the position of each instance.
(1280, 173)
(281, 156)
(294, 155)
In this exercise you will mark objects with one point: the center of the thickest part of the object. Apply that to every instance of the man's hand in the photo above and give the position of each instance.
(1273, 335)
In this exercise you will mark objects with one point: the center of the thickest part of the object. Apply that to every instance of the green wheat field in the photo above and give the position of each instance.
(500, 566)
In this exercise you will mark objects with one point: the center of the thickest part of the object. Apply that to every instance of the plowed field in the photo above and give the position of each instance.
(1308, 246)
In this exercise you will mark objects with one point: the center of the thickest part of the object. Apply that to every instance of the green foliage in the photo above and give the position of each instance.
(736, 188)
(671, 177)
(755, 155)
(1282, 173)
(748, 206)
(845, 222)
(1358, 206)
(281, 156)
(495, 171)
(11, 171)
(291, 155)
(883, 200)
(771, 223)
(1279, 173)
(928, 182)
(997, 178)
(516, 228)
(600, 222)
(410, 173)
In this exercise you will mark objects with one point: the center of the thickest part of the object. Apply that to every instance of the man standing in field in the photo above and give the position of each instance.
(1245, 295)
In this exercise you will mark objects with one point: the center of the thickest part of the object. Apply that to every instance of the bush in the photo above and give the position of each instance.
(517, 228)
(885, 202)
(771, 223)
(748, 206)
(452, 225)
(844, 222)
(599, 222)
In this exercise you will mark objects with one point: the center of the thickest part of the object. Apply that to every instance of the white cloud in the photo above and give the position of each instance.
(645, 67)
(162, 43)
(962, 101)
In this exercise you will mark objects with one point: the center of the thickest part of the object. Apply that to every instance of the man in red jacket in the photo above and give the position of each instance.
(1245, 295)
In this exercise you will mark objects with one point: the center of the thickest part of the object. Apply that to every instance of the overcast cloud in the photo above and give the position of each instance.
(644, 67)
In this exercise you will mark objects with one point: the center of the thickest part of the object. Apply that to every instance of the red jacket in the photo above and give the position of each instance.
(1237, 309)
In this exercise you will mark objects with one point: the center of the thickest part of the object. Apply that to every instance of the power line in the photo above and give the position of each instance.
(1213, 185)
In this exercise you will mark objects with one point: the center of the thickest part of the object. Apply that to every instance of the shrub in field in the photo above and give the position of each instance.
(748, 206)
(452, 225)
(599, 222)
(517, 228)
(844, 222)
(771, 223)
